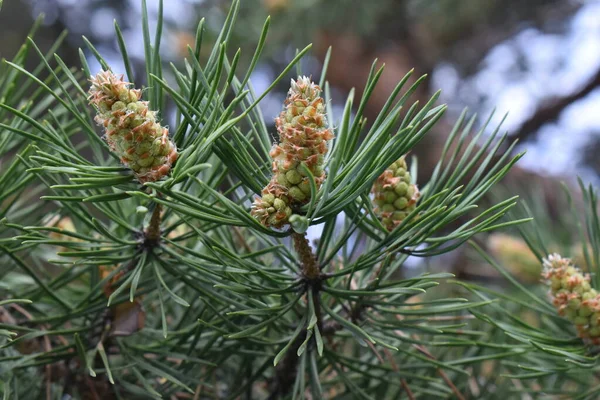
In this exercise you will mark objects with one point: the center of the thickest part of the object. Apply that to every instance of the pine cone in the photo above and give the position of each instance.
(395, 195)
(304, 136)
(271, 210)
(573, 296)
(131, 129)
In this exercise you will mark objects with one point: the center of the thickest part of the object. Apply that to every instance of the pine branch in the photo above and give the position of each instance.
(403, 382)
(287, 369)
(310, 267)
(153, 231)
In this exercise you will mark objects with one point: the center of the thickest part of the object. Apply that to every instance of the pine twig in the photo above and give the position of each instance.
(310, 267)
(422, 349)
(152, 233)
(403, 382)
(241, 239)
(317, 305)
(47, 348)
(285, 374)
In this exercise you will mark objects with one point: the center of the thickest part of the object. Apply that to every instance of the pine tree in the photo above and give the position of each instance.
(144, 261)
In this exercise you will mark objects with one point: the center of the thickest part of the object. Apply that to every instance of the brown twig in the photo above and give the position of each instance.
(310, 267)
(197, 392)
(286, 371)
(403, 382)
(48, 368)
(92, 389)
(242, 239)
(379, 357)
(422, 349)
(317, 305)
(356, 314)
(409, 392)
(152, 233)
(552, 110)
(451, 385)
(47, 348)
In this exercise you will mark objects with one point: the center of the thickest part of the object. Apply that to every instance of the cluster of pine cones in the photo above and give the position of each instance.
(141, 143)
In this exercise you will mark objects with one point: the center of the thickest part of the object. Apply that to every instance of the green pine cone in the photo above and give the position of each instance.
(271, 209)
(394, 195)
(303, 133)
(132, 131)
(573, 296)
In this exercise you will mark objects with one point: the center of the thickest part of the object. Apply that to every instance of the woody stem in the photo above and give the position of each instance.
(310, 267)
(152, 233)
